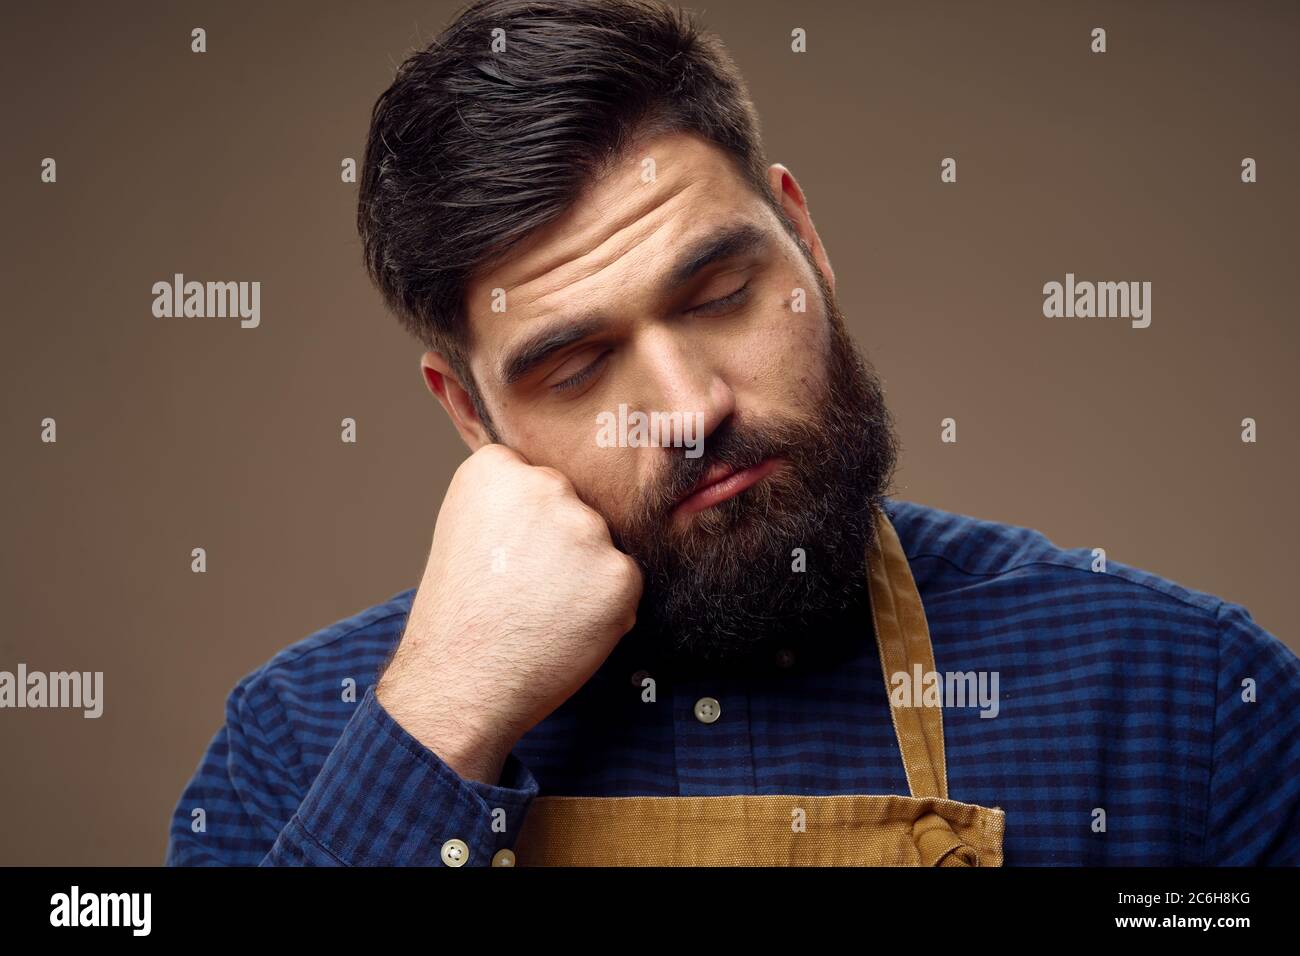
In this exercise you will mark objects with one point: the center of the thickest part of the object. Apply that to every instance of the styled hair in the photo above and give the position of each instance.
(475, 146)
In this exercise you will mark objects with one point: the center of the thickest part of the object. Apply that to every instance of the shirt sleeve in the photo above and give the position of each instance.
(1253, 816)
(381, 799)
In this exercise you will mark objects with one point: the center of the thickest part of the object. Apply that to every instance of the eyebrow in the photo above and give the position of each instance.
(726, 243)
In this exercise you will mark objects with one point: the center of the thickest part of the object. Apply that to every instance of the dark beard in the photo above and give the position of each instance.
(725, 587)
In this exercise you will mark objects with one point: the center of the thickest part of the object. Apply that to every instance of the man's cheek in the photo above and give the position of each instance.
(611, 488)
(790, 383)
(795, 347)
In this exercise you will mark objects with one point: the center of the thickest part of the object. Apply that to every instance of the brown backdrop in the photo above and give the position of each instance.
(183, 433)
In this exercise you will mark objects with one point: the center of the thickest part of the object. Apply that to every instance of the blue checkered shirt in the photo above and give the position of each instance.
(1138, 723)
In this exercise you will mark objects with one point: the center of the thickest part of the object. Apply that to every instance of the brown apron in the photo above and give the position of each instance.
(925, 829)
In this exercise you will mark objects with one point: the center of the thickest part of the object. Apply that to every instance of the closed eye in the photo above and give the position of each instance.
(716, 305)
(713, 307)
(573, 381)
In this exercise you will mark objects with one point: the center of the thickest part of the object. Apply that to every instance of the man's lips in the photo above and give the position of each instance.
(722, 482)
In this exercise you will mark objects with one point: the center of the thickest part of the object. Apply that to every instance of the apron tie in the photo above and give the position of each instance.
(939, 845)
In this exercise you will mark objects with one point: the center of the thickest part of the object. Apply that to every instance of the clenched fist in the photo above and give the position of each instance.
(523, 597)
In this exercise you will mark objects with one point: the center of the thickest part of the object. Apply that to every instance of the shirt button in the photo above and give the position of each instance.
(503, 857)
(638, 677)
(785, 658)
(455, 853)
(707, 710)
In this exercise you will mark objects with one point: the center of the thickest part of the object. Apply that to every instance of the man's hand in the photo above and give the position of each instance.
(523, 598)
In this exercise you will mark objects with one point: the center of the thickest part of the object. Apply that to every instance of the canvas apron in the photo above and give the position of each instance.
(924, 829)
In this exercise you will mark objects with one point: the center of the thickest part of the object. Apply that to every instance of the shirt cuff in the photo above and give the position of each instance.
(384, 799)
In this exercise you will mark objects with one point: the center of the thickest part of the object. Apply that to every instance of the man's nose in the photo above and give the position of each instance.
(685, 378)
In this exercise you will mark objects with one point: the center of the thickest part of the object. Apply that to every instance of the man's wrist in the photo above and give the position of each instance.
(382, 798)
(473, 752)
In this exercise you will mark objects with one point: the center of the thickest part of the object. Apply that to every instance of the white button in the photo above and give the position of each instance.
(707, 710)
(503, 857)
(455, 853)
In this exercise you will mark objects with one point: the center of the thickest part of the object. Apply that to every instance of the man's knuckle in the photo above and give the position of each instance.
(628, 570)
(554, 478)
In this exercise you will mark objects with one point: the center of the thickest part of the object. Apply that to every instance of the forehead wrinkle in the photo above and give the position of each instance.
(639, 214)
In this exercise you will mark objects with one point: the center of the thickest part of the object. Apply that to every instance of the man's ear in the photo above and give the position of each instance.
(786, 189)
(455, 399)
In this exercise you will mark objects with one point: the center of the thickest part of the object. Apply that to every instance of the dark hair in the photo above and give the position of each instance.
(471, 150)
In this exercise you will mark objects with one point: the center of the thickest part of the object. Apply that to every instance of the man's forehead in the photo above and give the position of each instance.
(656, 195)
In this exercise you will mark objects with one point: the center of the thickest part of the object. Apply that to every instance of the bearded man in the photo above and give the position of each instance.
(632, 654)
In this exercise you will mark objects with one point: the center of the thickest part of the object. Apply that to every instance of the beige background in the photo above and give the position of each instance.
(225, 166)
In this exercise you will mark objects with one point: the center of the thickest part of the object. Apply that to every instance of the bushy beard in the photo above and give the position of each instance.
(726, 584)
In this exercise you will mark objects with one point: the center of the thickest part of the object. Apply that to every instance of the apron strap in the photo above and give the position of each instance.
(903, 637)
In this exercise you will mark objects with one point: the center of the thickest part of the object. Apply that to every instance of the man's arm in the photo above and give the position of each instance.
(1253, 817)
(381, 799)
(523, 596)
